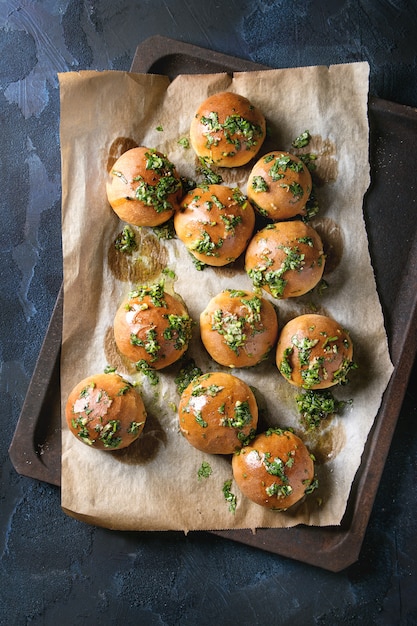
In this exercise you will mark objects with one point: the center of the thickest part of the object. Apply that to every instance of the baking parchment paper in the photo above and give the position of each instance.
(154, 484)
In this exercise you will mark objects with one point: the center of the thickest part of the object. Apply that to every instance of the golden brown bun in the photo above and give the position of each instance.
(279, 185)
(218, 413)
(227, 130)
(215, 223)
(238, 328)
(105, 412)
(314, 352)
(274, 470)
(286, 259)
(152, 326)
(143, 187)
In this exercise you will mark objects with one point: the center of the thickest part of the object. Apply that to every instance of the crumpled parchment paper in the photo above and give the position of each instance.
(153, 485)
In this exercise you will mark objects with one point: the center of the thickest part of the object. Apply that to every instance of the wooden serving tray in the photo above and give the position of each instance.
(389, 209)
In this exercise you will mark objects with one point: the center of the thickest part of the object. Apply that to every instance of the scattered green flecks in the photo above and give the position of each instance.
(230, 497)
(204, 471)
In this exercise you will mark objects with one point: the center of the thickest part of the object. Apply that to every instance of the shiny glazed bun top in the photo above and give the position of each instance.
(286, 259)
(238, 328)
(152, 327)
(279, 185)
(215, 223)
(314, 352)
(275, 470)
(227, 130)
(105, 412)
(143, 187)
(218, 413)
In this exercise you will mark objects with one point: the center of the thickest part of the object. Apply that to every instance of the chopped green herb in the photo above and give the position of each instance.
(279, 490)
(285, 366)
(134, 427)
(311, 207)
(312, 486)
(165, 230)
(312, 375)
(199, 419)
(317, 405)
(239, 197)
(199, 265)
(231, 327)
(123, 390)
(180, 327)
(80, 423)
(169, 272)
(229, 496)
(210, 177)
(184, 142)
(237, 130)
(126, 241)
(246, 439)
(120, 175)
(274, 279)
(188, 372)
(155, 292)
(259, 184)
(205, 245)
(341, 374)
(302, 140)
(241, 416)
(157, 195)
(150, 344)
(309, 160)
(204, 470)
(231, 221)
(304, 347)
(108, 434)
(144, 367)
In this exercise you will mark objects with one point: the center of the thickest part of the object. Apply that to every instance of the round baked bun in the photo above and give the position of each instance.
(105, 412)
(215, 223)
(238, 328)
(218, 413)
(227, 130)
(286, 259)
(314, 352)
(279, 185)
(143, 187)
(152, 327)
(275, 470)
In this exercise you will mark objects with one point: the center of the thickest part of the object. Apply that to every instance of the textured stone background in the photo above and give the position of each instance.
(55, 570)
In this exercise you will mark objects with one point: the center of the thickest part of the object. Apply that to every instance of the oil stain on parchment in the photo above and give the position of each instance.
(143, 263)
(146, 446)
(118, 147)
(332, 239)
(326, 441)
(325, 163)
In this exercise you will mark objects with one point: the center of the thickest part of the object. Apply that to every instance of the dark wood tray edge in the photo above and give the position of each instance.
(333, 548)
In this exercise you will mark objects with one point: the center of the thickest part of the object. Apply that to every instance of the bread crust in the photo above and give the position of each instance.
(286, 259)
(274, 470)
(238, 328)
(143, 187)
(279, 185)
(215, 223)
(152, 327)
(105, 412)
(227, 130)
(218, 413)
(314, 352)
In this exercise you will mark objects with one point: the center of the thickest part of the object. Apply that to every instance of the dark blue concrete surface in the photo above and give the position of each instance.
(53, 569)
